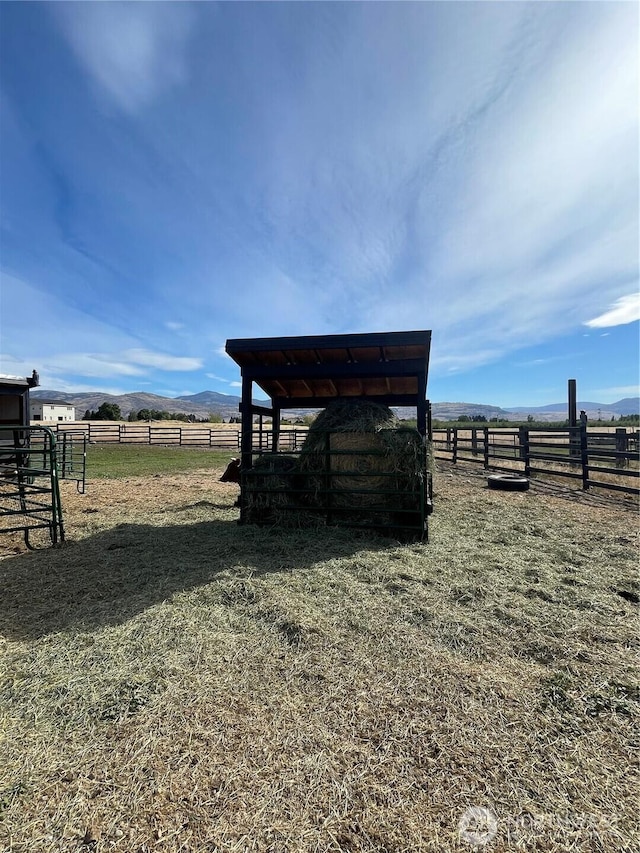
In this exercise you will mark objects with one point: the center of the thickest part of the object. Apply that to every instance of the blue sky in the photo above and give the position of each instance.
(176, 174)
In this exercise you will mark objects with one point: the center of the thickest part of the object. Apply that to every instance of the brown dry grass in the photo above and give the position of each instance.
(170, 681)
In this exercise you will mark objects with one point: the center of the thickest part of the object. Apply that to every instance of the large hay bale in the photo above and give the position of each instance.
(357, 466)
(356, 455)
(361, 416)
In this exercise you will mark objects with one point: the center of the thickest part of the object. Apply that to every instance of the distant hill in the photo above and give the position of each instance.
(555, 411)
(210, 398)
(136, 401)
(226, 405)
(628, 406)
(451, 411)
(200, 405)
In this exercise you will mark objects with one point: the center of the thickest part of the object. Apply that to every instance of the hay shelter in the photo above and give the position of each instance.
(358, 466)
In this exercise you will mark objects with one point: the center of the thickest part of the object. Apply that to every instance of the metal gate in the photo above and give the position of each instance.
(29, 486)
(71, 455)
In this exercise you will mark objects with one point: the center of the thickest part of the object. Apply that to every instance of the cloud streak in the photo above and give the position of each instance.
(626, 310)
(161, 360)
(132, 51)
(254, 170)
(504, 220)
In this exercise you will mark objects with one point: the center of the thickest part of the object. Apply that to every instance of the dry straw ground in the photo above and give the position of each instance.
(170, 681)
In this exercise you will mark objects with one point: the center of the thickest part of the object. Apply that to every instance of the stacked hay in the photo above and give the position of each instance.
(358, 465)
(358, 457)
(267, 486)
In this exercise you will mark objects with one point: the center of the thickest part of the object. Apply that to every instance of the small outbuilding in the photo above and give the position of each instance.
(386, 369)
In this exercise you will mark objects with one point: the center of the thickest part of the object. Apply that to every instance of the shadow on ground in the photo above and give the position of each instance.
(107, 578)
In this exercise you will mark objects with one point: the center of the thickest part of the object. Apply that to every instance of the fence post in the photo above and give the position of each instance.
(575, 440)
(448, 439)
(584, 456)
(523, 441)
(486, 446)
(455, 445)
(524, 449)
(474, 441)
(622, 446)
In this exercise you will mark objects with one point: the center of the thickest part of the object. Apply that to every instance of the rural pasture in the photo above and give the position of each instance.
(171, 681)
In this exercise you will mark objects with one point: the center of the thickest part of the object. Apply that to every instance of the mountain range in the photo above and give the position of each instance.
(226, 405)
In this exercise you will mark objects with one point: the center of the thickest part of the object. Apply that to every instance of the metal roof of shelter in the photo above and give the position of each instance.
(14, 398)
(387, 367)
(9, 382)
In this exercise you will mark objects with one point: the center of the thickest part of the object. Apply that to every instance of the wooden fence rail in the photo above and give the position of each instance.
(178, 436)
(609, 460)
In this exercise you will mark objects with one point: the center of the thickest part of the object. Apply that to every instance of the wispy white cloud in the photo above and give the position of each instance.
(12, 366)
(538, 362)
(103, 352)
(133, 51)
(80, 388)
(470, 168)
(453, 362)
(99, 365)
(54, 367)
(161, 360)
(625, 310)
(132, 363)
(499, 212)
(614, 393)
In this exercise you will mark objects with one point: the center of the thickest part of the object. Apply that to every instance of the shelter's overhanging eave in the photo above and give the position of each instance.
(310, 371)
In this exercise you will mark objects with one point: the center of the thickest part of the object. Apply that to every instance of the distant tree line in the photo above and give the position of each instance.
(112, 412)
(158, 415)
(106, 412)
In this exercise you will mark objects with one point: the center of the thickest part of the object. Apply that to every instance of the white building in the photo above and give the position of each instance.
(51, 410)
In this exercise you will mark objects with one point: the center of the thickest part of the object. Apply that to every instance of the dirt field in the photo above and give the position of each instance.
(172, 681)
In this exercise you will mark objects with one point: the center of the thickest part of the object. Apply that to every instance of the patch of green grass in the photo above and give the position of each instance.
(126, 460)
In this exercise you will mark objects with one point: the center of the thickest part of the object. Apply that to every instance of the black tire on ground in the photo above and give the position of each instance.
(508, 482)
